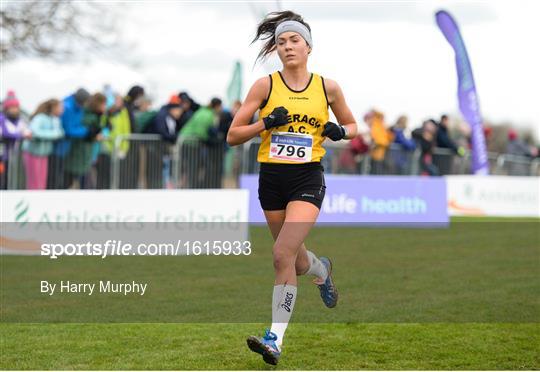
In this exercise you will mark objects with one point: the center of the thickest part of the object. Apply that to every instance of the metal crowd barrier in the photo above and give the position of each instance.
(156, 164)
(145, 161)
(339, 159)
(513, 165)
(137, 161)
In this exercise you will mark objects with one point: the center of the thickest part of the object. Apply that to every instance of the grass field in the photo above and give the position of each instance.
(465, 298)
(307, 346)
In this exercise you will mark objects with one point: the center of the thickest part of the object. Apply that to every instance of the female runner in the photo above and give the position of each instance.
(293, 106)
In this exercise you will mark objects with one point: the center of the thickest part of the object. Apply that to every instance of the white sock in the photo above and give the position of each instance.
(283, 301)
(316, 267)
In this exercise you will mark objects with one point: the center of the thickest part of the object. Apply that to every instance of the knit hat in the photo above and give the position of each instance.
(10, 100)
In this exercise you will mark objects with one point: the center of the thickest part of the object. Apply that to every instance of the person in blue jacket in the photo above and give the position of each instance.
(73, 128)
(165, 123)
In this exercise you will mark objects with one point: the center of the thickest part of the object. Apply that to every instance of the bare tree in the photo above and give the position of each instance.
(56, 29)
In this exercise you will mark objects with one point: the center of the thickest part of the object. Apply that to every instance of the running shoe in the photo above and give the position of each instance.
(266, 346)
(327, 288)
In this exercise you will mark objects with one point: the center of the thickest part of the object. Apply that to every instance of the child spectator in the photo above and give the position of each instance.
(12, 129)
(45, 127)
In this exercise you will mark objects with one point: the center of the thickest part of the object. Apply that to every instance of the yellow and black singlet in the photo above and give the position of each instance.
(300, 140)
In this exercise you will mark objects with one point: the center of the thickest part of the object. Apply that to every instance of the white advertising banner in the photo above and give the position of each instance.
(118, 221)
(125, 206)
(501, 196)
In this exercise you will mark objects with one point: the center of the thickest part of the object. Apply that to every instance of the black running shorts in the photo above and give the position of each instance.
(281, 183)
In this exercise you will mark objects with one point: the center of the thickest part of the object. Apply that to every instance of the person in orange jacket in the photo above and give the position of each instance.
(381, 139)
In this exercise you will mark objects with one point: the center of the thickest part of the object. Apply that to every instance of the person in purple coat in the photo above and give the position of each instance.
(401, 157)
(12, 129)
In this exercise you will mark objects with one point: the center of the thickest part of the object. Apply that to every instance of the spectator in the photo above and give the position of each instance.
(119, 126)
(12, 129)
(189, 106)
(45, 127)
(131, 102)
(426, 138)
(202, 124)
(186, 98)
(228, 165)
(200, 130)
(224, 122)
(165, 123)
(488, 135)
(80, 157)
(166, 120)
(401, 156)
(235, 107)
(381, 139)
(351, 157)
(399, 134)
(445, 162)
(145, 115)
(443, 137)
(218, 147)
(517, 147)
(73, 130)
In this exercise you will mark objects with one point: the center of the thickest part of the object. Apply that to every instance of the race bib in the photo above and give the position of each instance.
(295, 147)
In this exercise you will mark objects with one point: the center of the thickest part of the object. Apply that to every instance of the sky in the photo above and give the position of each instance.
(384, 54)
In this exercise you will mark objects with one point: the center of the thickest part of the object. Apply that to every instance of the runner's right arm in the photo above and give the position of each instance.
(240, 130)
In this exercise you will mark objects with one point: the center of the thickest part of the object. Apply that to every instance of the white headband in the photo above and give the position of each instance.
(294, 26)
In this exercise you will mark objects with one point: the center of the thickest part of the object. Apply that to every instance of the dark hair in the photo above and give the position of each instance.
(46, 107)
(267, 28)
(95, 101)
(215, 102)
(134, 92)
(444, 117)
(432, 121)
(81, 95)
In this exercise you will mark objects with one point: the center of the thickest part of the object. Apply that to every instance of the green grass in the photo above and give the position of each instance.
(307, 346)
(462, 298)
